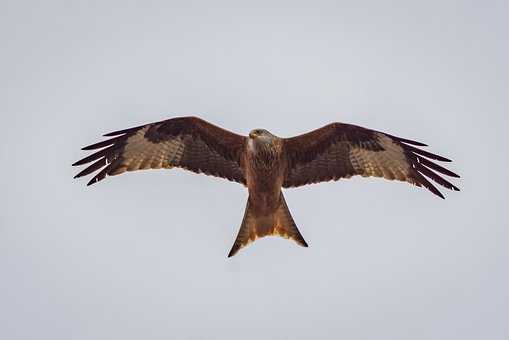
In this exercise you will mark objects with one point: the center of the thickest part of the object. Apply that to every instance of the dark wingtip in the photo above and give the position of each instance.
(116, 133)
(422, 181)
(437, 192)
(121, 132)
(409, 141)
(405, 140)
(442, 159)
(454, 188)
(427, 154)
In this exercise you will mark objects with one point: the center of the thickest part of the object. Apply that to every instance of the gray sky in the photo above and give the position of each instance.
(143, 255)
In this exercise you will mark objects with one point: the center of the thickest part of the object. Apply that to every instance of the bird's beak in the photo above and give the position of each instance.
(252, 135)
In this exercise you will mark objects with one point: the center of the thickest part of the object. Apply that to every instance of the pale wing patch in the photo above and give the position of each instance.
(140, 153)
(391, 163)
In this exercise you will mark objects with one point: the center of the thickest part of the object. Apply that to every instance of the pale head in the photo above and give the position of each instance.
(260, 139)
(261, 134)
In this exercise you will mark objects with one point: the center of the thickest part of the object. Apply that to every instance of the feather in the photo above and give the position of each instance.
(434, 176)
(421, 180)
(406, 141)
(436, 167)
(104, 143)
(95, 166)
(97, 155)
(427, 154)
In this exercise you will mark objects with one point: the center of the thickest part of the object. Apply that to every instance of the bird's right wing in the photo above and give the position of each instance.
(186, 142)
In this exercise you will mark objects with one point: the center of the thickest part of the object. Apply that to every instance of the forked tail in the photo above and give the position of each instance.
(279, 223)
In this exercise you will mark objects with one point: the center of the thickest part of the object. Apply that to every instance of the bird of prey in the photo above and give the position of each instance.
(265, 163)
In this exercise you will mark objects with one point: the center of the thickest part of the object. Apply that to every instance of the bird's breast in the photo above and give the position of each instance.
(264, 175)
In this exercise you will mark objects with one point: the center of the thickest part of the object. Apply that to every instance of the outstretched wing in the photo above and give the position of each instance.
(186, 142)
(342, 150)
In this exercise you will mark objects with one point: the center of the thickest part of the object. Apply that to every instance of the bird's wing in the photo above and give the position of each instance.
(186, 142)
(343, 150)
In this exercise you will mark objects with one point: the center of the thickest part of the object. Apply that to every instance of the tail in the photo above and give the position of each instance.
(253, 227)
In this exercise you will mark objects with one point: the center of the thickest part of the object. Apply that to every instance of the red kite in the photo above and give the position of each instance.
(265, 163)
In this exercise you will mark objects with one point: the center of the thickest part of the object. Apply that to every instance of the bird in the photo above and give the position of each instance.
(266, 163)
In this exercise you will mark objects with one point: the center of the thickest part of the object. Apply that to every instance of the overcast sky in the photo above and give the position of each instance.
(143, 255)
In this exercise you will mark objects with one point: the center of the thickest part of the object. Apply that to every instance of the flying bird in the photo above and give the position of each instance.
(265, 163)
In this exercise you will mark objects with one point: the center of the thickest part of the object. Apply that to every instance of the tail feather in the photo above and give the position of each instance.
(253, 227)
(285, 225)
(246, 233)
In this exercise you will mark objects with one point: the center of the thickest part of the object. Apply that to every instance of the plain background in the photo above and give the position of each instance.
(143, 255)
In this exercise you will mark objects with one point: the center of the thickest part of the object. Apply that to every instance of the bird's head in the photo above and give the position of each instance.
(261, 135)
(261, 142)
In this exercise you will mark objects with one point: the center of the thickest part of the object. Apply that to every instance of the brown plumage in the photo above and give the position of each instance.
(266, 163)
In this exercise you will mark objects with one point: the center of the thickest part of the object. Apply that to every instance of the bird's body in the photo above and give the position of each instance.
(266, 213)
(264, 170)
(265, 163)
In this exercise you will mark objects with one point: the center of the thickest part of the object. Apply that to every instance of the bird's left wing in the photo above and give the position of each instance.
(343, 150)
(186, 142)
